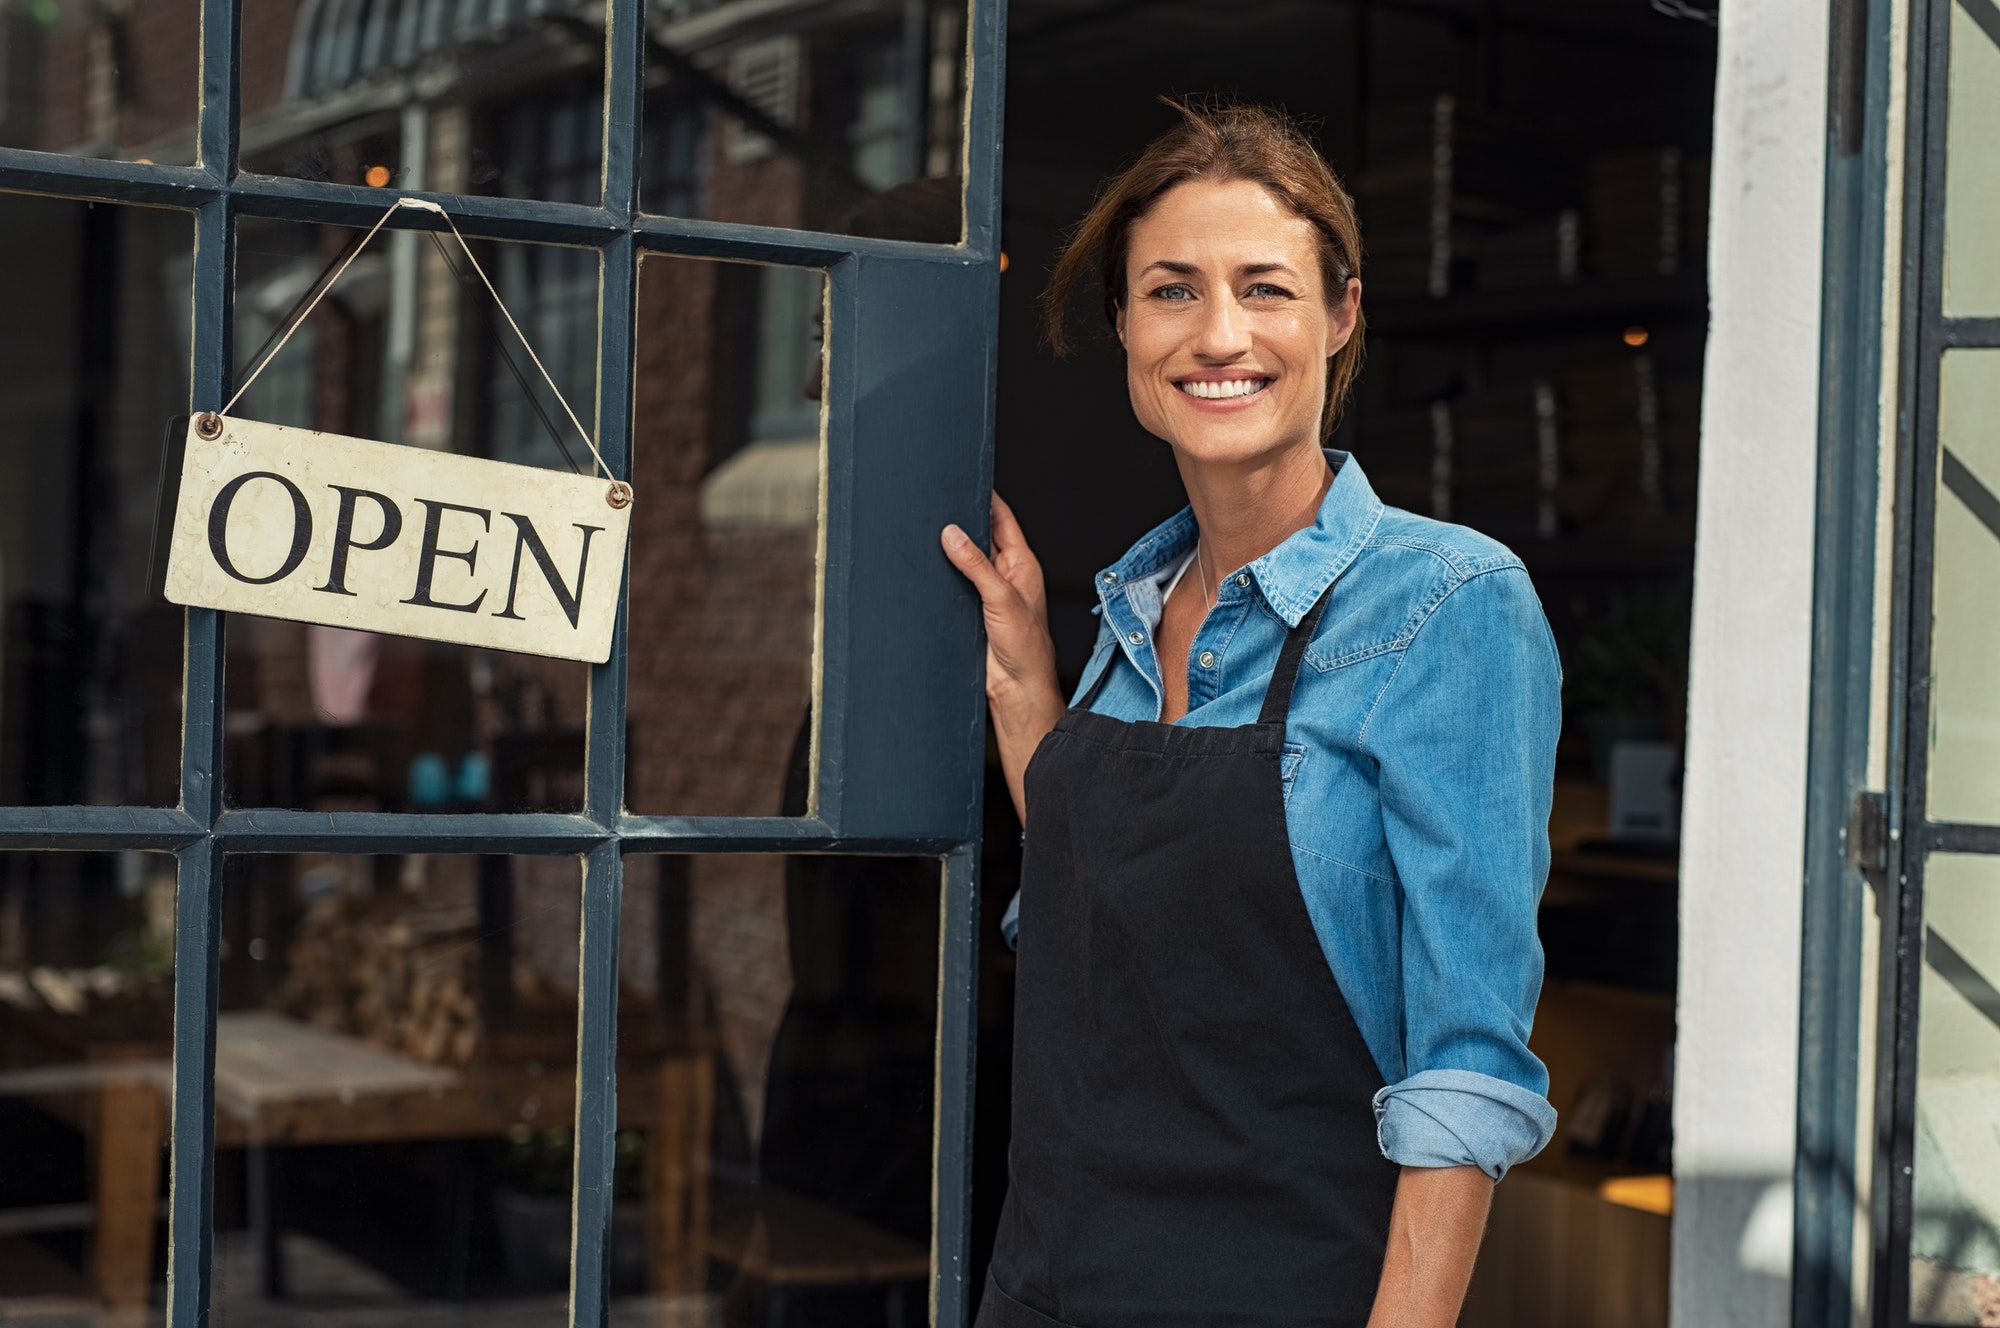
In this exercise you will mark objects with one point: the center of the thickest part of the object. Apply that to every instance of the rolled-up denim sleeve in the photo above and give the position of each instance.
(1465, 734)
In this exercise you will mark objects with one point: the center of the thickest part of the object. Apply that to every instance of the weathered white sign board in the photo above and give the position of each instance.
(319, 528)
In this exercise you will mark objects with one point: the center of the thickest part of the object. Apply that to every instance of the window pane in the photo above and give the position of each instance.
(726, 454)
(86, 1048)
(835, 116)
(101, 80)
(1955, 1236)
(408, 348)
(489, 98)
(1972, 170)
(1965, 629)
(777, 1027)
(395, 1063)
(91, 369)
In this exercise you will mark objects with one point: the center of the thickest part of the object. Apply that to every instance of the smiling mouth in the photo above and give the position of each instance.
(1207, 390)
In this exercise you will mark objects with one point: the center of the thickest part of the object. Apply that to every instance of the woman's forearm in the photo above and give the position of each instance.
(1022, 717)
(1434, 1234)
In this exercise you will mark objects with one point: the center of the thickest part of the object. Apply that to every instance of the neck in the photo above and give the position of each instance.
(1246, 509)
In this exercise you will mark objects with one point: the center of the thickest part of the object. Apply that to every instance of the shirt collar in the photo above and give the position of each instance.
(1291, 576)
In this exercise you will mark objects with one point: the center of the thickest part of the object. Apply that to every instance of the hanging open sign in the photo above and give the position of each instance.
(293, 523)
(349, 532)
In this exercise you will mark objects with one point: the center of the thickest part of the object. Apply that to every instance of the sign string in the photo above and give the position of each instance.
(422, 205)
(492, 325)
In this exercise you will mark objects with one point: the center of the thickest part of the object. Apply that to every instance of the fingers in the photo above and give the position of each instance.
(968, 558)
(1007, 530)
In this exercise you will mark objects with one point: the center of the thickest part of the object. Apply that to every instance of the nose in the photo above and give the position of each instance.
(1225, 330)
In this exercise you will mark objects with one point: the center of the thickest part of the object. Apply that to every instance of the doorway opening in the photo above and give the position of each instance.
(1531, 178)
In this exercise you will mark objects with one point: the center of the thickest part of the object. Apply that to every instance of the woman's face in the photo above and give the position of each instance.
(1226, 323)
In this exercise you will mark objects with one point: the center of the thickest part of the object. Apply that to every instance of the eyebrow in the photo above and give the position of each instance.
(1190, 269)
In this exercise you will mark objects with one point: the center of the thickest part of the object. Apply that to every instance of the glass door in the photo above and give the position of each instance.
(343, 972)
(1938, 1171)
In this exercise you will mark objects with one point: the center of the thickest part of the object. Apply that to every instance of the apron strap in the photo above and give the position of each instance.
(1278, 695)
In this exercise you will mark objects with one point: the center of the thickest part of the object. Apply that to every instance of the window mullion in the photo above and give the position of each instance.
(596, 1088)
(217, 131)
(624, 83)
(958, 1031)
(210, 373)
(986, 69)
(604, 757)
(191, 1191)
(198, 894)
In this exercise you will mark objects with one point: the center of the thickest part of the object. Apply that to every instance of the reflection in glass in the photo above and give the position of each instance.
(91, 369)
(1965, 631)
(408, 348)
(726, 455)
(86, 1046)
(395, 1070)
(835, 116)
(1972, 170)
(416, 94)
(100, 80)
(777, 1026)
(1955, 1234)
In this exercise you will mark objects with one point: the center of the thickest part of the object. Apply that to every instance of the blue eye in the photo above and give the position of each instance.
(1175, 292)
(1265, 290)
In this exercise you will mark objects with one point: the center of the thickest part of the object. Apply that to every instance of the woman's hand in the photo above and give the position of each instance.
(1021, 683)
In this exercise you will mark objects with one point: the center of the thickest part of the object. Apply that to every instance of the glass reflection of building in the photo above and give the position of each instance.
(813, 115)
(829, 116)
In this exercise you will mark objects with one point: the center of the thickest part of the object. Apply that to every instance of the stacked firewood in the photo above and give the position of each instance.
(375, 967)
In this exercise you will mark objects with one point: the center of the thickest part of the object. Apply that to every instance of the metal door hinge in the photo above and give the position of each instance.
(1867, 832)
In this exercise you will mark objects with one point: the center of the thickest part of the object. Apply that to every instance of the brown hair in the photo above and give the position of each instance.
(1219, 143)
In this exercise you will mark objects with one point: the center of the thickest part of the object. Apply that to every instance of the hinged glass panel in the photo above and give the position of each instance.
(1965, 630)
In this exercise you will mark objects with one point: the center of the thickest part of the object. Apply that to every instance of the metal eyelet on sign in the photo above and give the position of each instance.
(208, 424)
(619, 495)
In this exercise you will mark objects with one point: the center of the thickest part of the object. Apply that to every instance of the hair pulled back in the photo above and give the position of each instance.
(1219, 143)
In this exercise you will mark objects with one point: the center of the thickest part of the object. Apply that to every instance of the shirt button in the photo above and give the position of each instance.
(1207, 659)
(1243, 578)
(1135, 637)
(1111, 578)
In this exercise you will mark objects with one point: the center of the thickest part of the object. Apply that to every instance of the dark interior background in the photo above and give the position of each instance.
(1576, 78)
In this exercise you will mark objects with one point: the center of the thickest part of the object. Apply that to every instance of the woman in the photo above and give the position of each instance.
(1283, 854)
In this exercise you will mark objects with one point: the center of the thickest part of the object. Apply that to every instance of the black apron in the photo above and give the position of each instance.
(1193, 1136)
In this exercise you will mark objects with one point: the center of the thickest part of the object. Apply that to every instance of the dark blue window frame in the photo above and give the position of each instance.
(899, 741)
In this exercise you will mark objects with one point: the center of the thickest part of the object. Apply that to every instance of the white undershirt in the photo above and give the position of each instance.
(1175, 584)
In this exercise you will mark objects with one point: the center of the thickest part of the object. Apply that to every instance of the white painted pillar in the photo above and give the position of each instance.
(1743, 826)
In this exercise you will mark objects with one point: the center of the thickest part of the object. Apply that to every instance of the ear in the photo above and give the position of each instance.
(1119, 324)
(1345, 315)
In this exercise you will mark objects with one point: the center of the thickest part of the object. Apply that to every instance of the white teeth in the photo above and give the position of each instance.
(1235, 387)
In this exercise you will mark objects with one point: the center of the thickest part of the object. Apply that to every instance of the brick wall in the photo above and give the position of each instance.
(125, 88)
(266, 37)
(65, 82)
(160, 67)
(721, 638)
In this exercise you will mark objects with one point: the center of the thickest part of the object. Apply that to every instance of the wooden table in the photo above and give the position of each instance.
(282, 1082)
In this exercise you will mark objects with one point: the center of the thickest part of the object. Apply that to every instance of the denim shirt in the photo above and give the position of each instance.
(1418, 769)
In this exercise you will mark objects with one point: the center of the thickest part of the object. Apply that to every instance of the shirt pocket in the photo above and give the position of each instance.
(1288, 767)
